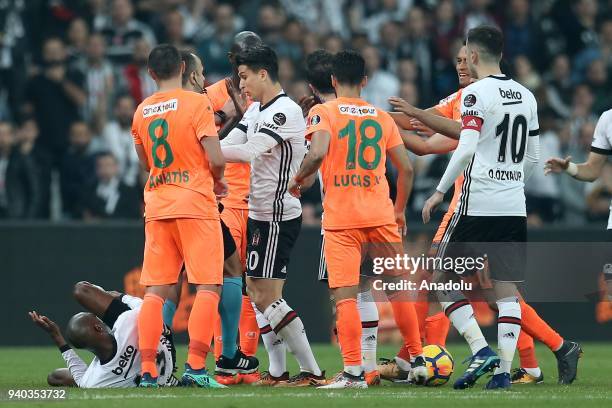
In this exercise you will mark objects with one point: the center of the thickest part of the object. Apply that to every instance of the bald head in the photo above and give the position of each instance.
(244, 40)
(85, 330)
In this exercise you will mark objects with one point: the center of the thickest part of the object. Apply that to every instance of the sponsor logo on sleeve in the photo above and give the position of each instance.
(314, 120)
(469, 100)
(279, 118)
(160, 108)
(471, 122)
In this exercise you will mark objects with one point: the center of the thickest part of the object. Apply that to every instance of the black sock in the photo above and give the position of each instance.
(565, 347)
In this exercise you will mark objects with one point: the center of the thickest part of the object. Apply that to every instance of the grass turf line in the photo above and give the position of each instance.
(27, 368)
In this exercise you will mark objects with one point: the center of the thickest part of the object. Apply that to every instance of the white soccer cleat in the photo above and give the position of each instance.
(346, 380)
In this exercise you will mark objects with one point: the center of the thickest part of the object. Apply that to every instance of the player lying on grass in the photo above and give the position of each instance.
(109, 329)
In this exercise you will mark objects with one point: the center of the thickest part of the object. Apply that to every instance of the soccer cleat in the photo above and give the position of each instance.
(248, 378)
(227, 379)
(372, 378)
(146, 381)
(390, 371)
(567, 361)
(345, 380)
(480, 363)
(268, 380)
(199, 378)
(241, 363)
(304, 379)
(520, 376)
(499, 381)
(418, 371)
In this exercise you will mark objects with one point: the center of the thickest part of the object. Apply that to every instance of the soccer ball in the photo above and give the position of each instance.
(439, 365)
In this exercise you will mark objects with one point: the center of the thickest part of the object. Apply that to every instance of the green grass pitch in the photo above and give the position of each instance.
(26, 368)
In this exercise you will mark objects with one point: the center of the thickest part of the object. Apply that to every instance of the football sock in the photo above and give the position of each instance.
(287, 325)
(436, 329)
(533, 324)
(404, 353)
(349, 335)
(403, 363)
(150, 326)
(422, 310)
(406, 319)
(168, 312)
(508, 331)
(461, 314)
(526, 350)
(249, 331)
(217, 337)
(275, 346)
(200, 327)
(368, 313)
(536, 372)
(229, 310)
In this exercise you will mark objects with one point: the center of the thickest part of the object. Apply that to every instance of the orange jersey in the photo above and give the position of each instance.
(353, 171)
(450, 107)
(237, 175)
(169, 126)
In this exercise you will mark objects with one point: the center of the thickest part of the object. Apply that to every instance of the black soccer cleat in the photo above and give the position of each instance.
(240, 364)
(567, 361)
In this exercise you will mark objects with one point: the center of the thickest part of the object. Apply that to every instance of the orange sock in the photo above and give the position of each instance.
(436, 329)
(526, 351)
(537, 328)
(200, 327)
(217, 338)
(408, 324)
(348, 324)
(150, 326)
(422, 309)
(249, 331)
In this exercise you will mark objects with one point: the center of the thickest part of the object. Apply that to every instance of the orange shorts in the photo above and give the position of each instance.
(345, 249)
(236, 220)
(171, 242)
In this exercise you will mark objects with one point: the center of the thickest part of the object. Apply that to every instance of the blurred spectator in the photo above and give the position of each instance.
(599, 195)
(99, 77)
(410, 93)
(417, 45)
(559, 86)
(290, 47)
(174, 29)
(333, 44)
(78, 35)
(270, 22)
(117, 136)
(214, 47)
(286, 72)
(579, 26)
(519, 31)
(77, 169)
(121, 31)
(19, 188)
(98, 14)
(136, 78)
(445, 30)
(597, 79)
(381, 84)
(390, 38)
(477, 14)
(310, 43)
(12, 57)
(318, 15)
(382, 11)
(525, 74)
(56, 96)
(109, 196)
(407, 71)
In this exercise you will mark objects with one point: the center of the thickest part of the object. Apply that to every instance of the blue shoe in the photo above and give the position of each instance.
(499, 381)
(199, 378)
(484, 361)
(146, 381)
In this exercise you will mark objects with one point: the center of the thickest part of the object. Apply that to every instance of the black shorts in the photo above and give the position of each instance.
(501, 240)
(367, 266)
(229, 246)
(269, 246)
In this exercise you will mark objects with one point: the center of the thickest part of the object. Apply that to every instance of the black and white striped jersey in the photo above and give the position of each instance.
(602, 143)
(271, 137)
(505, 114)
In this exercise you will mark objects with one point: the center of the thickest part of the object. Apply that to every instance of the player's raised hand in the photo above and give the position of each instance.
(220, 188)
(306, 102)
(294, 188)
(431, 204)
(401, 105)
(556, 165)
(47, 325)
(239, 101)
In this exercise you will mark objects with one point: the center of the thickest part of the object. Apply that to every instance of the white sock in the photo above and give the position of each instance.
(403, 364)
(508, 330)
(275, 346)
(536, 372)
(462, 317)
(353, 370)
(368, 312)
(288, 326)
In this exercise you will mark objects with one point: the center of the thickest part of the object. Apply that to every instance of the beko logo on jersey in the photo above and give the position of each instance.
(510, 94)
(355, 110)
(125, 359)
(160, 108)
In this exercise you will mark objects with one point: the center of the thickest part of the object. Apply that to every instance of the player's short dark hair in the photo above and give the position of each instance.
(348, 67)
(319, 69)
(489, 39)
(164, 61)
(190, 65)
(259, 57)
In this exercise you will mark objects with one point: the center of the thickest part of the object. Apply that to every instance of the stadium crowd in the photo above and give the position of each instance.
(73, 71)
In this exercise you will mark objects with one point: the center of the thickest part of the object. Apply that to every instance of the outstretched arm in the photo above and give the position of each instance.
(319, 144)
(440, 124)
(587, 171)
